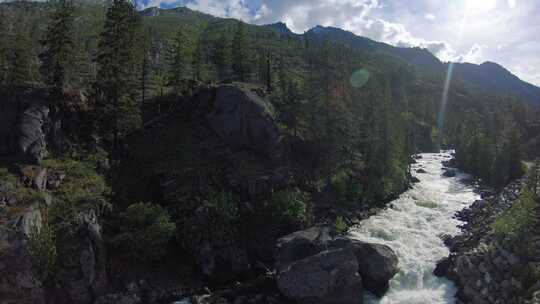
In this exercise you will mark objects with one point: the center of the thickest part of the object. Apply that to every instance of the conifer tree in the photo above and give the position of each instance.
(57, 57)
(199, 61)
(240, 53)
(117, 110)
(21, 55)
(180, 60)
(4, 42)
(222, 57)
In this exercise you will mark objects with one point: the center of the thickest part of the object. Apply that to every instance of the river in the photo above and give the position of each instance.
(412, 226)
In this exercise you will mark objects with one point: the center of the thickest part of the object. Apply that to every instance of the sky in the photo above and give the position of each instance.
(475, 31)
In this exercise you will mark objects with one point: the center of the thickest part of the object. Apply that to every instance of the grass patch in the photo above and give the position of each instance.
(82, 183)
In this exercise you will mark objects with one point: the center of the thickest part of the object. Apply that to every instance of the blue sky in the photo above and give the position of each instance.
(503, 31)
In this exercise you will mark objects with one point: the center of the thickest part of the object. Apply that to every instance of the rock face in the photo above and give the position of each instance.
(31, 141)
(377, 265)
(330, 276)
(81, 272)
(243, 119)
(485, 270)
(18, 281)
(304, 276)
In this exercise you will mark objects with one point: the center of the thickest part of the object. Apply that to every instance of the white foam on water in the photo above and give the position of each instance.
(412, 228)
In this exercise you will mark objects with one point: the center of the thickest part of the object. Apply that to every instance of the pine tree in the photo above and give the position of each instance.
(222, 57)
(240, 53)
(21, 55)
(4, 43)
(117, 110)
(199, 62)
(58, 46)
(180, 60)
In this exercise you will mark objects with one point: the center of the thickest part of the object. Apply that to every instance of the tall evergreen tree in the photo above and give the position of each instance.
(117, 109)
(199, 61)
(21, 55)
(222, 57)
(240, 53)
(57, 56)
(180, 60)
(4, 43)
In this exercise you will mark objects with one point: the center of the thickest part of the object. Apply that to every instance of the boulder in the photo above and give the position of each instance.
(377, 264)
(31, 137)
(422, 171)
(442, 267)
(34, 176)
(244, 120)
(329, 277)
(301, 244)
(450, 173)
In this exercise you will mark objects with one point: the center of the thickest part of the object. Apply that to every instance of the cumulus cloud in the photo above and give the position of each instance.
(475, 54)
(223, 8)
(356, 16)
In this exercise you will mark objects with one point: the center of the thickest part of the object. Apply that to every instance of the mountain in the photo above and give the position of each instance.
(488, 76)
(281, 28)
(492, 76)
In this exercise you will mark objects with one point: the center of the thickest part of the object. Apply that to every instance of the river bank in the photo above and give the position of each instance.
(484, 269)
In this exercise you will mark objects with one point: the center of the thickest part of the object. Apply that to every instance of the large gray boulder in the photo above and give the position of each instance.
(329, 277)
(31, 141)
(244, 120)
(376, 263)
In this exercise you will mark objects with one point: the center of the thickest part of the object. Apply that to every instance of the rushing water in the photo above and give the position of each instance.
(412, 227)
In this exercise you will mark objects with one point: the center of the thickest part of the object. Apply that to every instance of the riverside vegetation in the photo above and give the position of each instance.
(148, 155)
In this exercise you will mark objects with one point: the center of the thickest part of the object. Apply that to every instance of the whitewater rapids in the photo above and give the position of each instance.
(412, 226)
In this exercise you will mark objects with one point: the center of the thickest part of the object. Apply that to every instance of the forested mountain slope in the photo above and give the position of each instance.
(196, 142)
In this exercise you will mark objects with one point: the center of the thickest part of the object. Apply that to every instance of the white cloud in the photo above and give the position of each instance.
(430, 17)
(223, 8)
(512, 3)
(475, 54)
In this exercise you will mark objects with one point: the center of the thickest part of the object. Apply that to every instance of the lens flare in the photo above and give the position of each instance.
(359, 78)
(444, 99)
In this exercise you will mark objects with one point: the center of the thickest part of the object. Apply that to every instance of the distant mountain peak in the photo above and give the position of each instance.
(281, 28)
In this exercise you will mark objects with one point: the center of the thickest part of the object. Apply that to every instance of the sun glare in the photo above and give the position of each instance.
(477, 7)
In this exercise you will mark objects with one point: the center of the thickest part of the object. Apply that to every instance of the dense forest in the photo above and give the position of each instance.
(125, 88)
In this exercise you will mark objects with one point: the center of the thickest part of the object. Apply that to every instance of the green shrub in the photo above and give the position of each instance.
(340, 225)
(290, 205)
(82, 183)
(145, 231)
(516, 223)
(339, 184)
(42, 248)
(346, 188)
(223, 203)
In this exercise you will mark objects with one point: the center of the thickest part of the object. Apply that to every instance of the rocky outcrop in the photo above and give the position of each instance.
(18, 282)
(81, 270)
(377, 265)
(80, 273)
(483, 269)
(244, 120)
(330, 276)
(303, 275)
(31, 141)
